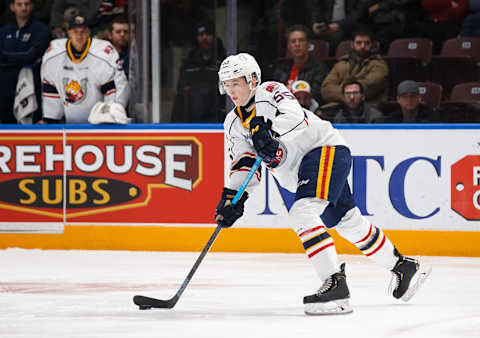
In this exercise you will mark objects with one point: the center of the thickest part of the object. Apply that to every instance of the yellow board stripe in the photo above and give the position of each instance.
(281, 240)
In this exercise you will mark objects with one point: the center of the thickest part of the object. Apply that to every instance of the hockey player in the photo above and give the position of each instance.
(79, 72)
(309, 157)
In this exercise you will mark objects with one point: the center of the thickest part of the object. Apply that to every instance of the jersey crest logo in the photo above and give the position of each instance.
(74, 91)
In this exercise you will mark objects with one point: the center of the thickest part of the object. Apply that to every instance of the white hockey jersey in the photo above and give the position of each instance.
(298, 129)
(71, 86)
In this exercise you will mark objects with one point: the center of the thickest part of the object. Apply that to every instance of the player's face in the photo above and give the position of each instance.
(79, 37)
(22, 8)
(409, 101)
(362, 44)
(298, 44)
(119, 35)
(352, 96)
(238, 90)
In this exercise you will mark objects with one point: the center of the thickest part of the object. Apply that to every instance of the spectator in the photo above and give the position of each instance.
(117, 34)
(353, 109)
(471, 24)
(79, 72)
(22, 43)
(300, 66)
(64, 10)
(107, 12)
(333, 19)
(197, 98)
(409, 108)
(444, 18)
(303, 92)
(361, 63)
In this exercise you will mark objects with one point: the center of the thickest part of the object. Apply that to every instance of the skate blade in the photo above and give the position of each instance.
(336, 307)
(417, 281)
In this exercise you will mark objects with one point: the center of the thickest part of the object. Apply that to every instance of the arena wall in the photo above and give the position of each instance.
(155, 187)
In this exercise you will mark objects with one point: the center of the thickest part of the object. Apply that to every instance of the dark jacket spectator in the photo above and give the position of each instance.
(361, 63)
(22, 43)
(299, 65)
(312, 72)
(423, 114)
(333, 23)
(408, 108)
(353, 109)
(341, 113)
(198, 99)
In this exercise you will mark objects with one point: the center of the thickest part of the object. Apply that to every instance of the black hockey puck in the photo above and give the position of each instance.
(144, 307)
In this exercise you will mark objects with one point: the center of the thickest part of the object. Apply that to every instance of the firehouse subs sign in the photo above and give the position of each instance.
(108, 176)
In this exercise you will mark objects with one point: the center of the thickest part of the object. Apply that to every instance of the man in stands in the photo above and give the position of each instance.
(22, 43)
(410, 109)
(362, 63)
(117, 34)
(353, 109)
(299, 65)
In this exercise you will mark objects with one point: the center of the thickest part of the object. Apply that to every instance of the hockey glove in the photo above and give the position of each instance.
(226, 214)
(264, 143)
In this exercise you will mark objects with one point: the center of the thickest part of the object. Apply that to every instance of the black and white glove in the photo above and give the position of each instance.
(226, 214)
(264, 143)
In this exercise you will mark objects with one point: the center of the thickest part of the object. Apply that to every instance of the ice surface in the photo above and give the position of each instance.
(89, 294)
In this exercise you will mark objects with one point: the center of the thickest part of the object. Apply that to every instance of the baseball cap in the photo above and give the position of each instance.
(301, 86)
(77, 21)
(205, 28)
(407, 86)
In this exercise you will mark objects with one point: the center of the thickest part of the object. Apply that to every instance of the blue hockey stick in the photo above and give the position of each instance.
(145, 303)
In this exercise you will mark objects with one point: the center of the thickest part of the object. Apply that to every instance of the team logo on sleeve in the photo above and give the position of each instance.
(74, 91)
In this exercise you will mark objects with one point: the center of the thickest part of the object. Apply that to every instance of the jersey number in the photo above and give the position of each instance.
(281, 95)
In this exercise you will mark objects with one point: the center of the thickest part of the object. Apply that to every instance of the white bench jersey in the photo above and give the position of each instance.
(71, 89)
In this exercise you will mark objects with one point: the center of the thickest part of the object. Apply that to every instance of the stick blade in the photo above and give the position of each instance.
(147, 303)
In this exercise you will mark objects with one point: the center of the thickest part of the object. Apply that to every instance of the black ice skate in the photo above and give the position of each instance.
(408, 276)
(331, 298)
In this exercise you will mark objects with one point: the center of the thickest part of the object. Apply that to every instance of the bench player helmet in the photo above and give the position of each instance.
(239, 65)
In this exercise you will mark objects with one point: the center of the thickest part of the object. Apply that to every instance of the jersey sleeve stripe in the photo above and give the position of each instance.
(48, 88)
(108, 88)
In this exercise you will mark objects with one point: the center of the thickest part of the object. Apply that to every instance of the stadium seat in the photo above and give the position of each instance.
(463, 105)
(431, 93)
(409, 59)
(458, 62)
(343, 48)
(319, 49)
(466, 92)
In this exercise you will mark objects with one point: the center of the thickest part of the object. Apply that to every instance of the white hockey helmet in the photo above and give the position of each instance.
(239, 65)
